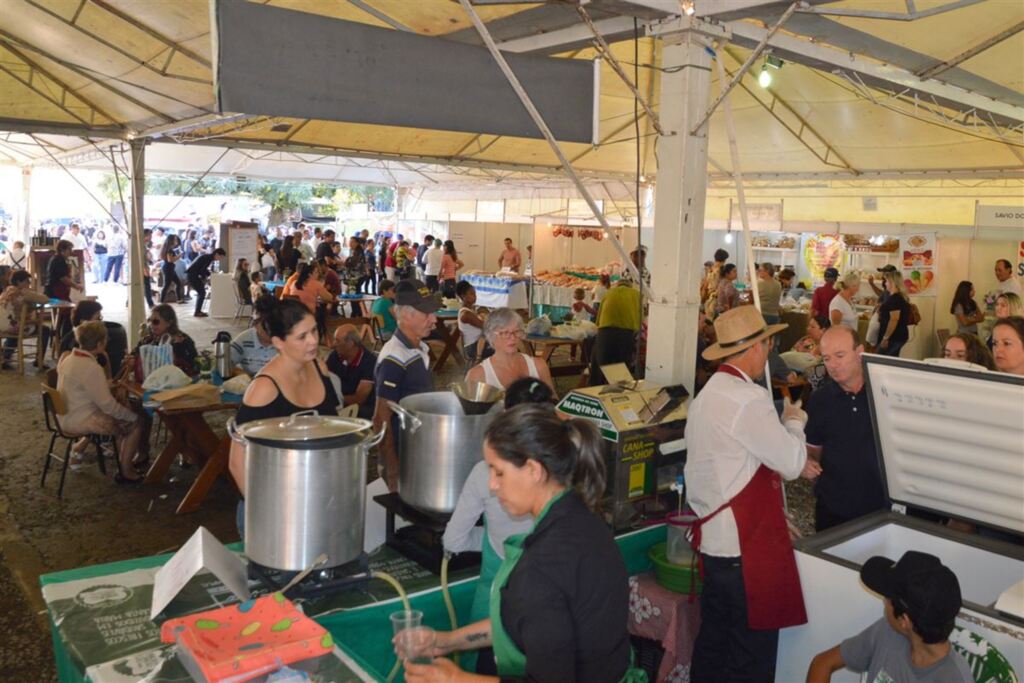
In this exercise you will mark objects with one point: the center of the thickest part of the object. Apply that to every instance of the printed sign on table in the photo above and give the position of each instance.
(918, 263)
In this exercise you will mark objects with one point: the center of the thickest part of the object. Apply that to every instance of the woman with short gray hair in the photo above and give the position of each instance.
(504, 329)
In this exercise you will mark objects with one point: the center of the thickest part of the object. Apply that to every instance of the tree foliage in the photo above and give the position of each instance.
(281, 196)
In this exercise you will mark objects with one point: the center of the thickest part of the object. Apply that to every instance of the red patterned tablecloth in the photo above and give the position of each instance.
(669, 618)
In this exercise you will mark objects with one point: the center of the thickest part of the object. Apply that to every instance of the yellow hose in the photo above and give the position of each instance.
(448, 596)
(405, 603)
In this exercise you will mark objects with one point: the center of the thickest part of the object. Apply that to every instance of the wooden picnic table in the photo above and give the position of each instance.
(449, 336)
(191, 437)
(544, 347)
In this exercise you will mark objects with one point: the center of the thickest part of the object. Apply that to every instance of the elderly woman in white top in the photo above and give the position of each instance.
(841, 310)
(503, 330)
(91, 408)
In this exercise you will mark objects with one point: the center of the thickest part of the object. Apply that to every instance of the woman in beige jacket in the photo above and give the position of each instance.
(91, 408)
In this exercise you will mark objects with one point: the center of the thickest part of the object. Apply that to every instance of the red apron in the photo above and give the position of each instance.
(774, 597)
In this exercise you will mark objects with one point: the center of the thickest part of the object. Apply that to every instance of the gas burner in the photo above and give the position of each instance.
(421, 541)
(351, 575)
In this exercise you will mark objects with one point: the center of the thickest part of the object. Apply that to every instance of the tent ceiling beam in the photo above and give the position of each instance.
(190, 124)
(560, 40)
(152, 33)
(274, 145)
(902, 174)
(933, 71)
(113, 46)
(55, 128)
(829, 59)
(7, 40)
(911, 14)
(377, 14)
(59, 101)
(607, 138)
(805, 127)
(605, 51)
(758, 49)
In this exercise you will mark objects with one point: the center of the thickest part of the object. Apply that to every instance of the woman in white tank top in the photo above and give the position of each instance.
(503, 329)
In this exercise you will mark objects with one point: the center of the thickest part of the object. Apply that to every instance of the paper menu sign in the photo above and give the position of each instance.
(202, 551)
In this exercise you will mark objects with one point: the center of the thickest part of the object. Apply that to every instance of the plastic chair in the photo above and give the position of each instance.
(942, 335)
(242, 299)
(349, 410)
(53, 407)
(377, 330)
(22, 340)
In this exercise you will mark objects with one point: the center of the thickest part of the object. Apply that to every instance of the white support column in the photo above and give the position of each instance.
(136, 295)
(24, 229)
(676, 263)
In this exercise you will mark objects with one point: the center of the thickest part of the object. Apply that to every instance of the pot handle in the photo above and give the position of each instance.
(408, 420)
(376, 438)
(301, 413)
(233, 432)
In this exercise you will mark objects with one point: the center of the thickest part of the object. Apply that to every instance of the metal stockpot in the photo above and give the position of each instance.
(438, 447)
(305, 488)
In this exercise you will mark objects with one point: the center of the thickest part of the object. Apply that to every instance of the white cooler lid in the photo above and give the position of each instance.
(950, 440)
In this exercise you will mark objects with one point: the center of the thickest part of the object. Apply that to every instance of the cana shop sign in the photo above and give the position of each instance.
(579, 405)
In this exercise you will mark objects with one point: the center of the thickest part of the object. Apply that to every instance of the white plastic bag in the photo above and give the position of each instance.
(157, 355)
(874, 327)
(236, 385)
(165, 377)
(539, 326)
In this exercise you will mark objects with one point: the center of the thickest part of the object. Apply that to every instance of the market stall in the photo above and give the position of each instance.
(102, 632)
(498, 290)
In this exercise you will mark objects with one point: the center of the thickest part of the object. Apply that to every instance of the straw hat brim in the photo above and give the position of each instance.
(716, 351)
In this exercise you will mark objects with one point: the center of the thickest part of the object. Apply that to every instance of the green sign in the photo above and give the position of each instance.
(581, 405)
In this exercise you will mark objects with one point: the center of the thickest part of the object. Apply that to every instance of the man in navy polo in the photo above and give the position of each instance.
(403, 366)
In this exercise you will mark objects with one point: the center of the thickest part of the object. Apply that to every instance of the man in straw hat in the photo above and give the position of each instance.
(738, 454)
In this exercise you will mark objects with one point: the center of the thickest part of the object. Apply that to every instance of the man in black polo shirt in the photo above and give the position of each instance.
(839, 435)
(325, 250)
(199, 273)
(403, 367)
(354, 365)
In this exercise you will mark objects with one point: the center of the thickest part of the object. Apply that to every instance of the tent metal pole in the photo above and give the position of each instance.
(737, 175)
(746, 65)
(485, 35)
(136, 296)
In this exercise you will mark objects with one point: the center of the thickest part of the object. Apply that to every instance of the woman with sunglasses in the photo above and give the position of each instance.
(163, 321)
(504, 330)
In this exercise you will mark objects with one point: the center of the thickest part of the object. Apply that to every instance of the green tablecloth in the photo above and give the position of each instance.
(100, 616)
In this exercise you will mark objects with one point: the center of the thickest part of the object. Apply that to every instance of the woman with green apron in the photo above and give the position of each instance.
(463, 535)
(560, 600)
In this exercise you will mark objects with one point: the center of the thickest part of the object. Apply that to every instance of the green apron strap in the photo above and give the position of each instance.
(508, 658)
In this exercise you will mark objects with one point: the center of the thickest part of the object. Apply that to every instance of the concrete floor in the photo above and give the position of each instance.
(99, 521)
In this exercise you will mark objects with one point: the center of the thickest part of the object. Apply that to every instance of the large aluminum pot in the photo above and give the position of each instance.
(438, 447)
(305, 488)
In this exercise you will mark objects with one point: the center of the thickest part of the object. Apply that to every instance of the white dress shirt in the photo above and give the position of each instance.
(1010, 284)
(731, 429)
(432, 261)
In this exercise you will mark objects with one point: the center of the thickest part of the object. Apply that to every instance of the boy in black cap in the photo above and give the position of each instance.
(911, 644)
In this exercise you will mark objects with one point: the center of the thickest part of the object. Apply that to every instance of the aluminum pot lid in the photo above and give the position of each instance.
(305, 426)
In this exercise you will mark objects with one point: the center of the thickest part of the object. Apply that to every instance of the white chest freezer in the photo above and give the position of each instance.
(951, 442)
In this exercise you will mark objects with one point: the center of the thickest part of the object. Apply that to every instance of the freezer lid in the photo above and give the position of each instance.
(950, 440)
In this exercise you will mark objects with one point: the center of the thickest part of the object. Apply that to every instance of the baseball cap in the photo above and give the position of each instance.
(887, 269)
(831, 274)
(414, 293)
(918, 584)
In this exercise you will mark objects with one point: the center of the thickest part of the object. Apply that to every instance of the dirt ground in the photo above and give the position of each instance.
(99, 521)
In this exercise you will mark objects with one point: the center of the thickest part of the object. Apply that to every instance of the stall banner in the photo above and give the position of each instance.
(918, 263)
(823, 251)
(1020, 259)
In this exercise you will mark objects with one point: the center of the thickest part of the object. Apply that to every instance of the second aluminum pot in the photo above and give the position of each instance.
(438, 447)
(305, 488)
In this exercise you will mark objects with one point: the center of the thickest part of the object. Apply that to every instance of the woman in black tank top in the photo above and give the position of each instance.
(294, 381)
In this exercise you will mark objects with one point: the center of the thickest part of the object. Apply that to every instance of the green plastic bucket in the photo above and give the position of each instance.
(676, 578)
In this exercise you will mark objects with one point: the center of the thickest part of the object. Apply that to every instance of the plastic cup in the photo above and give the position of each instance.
(406, 619)
(416, 645)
